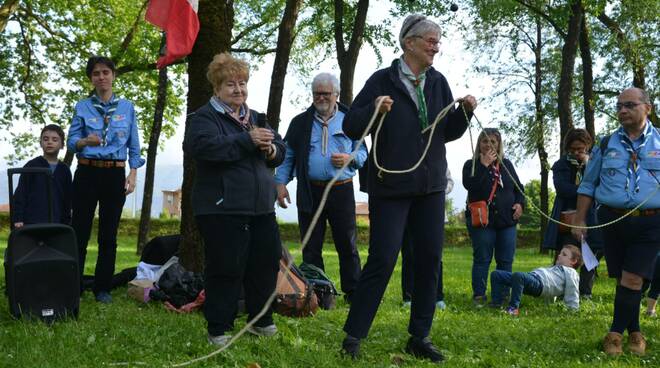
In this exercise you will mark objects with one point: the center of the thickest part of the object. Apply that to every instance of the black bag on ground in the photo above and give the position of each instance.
(178, 286)
(324, 288)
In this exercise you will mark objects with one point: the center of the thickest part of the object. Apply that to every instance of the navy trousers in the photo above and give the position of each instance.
(339, 211)
(425, 217)
(105, 186)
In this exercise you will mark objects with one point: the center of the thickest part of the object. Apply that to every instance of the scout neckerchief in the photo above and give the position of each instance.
(417, 83)
(324, 125)
(495, 171)
(241, 116)
(578, 165)
(633, 165)
(106, 109)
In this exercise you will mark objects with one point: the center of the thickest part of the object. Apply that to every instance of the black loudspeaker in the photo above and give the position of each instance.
(41, 270)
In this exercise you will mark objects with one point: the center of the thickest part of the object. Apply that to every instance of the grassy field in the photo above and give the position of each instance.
(128, 334)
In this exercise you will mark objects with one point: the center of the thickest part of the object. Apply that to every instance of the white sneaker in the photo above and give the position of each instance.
(441, 305)
(220, 340)
(267, 331)
(407, 304)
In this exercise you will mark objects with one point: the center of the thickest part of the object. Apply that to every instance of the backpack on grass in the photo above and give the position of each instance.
(324, 288)
(295, 295)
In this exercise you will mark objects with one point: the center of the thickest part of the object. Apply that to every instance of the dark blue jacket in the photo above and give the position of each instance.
(233, 176)
(479, 186)
(31, 196)
(400, 142)
(298, 137)
(563, 177)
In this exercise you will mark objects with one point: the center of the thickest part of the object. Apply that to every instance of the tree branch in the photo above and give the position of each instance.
(142, 67)
(247, 30)
(129, 36)
(254, 51)
(27, 9)
(545, 16)
(357, 34)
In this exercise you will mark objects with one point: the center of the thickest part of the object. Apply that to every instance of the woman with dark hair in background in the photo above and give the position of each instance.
(566, 175)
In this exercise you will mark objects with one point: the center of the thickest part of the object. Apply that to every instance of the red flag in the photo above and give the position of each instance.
(178, 18)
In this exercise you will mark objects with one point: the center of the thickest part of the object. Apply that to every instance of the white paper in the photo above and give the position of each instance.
(590, 261)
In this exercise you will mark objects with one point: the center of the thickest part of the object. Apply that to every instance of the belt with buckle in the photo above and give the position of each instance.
(635, 213)
(105, 164)
(322, 183)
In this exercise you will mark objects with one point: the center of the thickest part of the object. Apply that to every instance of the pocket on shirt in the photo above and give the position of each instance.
(652, 167)
(613, 173)
(119, 130)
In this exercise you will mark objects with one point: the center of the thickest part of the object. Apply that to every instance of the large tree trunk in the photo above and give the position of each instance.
(347, 58)
(216, 20)
(568, 52)
(6, 10)
(152, 151)
(587, 78)
(540, 143)
(284, 42)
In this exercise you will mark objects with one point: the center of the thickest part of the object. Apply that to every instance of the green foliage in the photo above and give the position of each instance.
(127, 333)
(531, 218)
(44, 50)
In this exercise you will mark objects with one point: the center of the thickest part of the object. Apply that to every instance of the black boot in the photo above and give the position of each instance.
(423, 348)
(350, 347)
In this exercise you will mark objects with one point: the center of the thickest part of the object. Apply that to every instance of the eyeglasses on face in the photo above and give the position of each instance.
(628, 105)
(322, 94)
(432, 42)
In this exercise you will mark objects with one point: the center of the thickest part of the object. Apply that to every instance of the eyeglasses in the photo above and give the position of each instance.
(627, 105)
(430, 41)
(322, 94)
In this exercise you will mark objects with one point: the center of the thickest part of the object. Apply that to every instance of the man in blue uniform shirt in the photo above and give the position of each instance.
(316, 148)
(621, 175)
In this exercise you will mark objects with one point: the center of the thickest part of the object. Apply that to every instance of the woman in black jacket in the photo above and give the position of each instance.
(483, 173)
(412, 93)
(566, 175)
(233, 200)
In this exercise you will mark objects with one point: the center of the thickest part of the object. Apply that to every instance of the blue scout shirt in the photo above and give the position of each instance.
(320, 167)
(122, 133)
(606, 174)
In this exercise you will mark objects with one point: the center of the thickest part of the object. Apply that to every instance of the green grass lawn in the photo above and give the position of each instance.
(129, 334)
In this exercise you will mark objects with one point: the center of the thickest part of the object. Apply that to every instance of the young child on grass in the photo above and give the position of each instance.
(547, 282)
(31, 198)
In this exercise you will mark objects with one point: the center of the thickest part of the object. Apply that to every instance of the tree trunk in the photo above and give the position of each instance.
(6, 10)
(284, 42)
(540, 147)
(347, 58)
(568, 52)
(216, 20)
(152, 151)
(587, 78)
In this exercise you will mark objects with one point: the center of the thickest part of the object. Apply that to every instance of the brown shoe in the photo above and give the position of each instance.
(637, 343)
(612, 344)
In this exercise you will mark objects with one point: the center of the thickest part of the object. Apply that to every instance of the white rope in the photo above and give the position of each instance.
(432, 127)
(531, 203)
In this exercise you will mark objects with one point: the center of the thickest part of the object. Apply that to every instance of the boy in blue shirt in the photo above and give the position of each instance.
(31, 198)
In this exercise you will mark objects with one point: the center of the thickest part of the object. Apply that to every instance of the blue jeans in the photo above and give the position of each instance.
(485, 242)
(519, 282)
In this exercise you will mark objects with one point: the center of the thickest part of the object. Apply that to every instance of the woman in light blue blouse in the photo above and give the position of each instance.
(104, 135)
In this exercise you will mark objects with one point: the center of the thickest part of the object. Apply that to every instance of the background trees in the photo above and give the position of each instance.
(553, 64)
